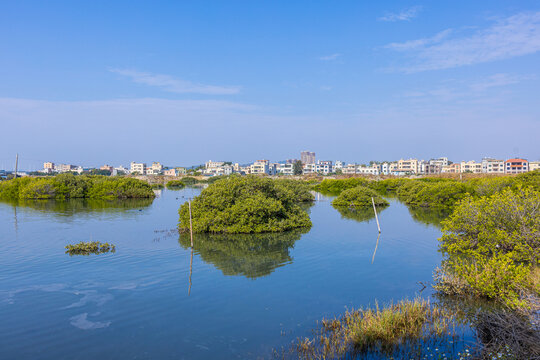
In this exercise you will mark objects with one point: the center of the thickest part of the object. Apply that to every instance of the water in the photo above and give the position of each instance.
(246, 296)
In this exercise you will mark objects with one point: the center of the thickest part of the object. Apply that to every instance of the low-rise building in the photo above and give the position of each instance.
(260, 167)
(107, 168)
(516, 166)
(410, 165)
(170, 172)
(285, 169)
(534, 165)
(451, 168)
(139, 168)
(324, 167)
(492, 166)
(309, 168)
(471, 166)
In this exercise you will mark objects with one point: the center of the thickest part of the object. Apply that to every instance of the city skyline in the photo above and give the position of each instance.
(182, 82)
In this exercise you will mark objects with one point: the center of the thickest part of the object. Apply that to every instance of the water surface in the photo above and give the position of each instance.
(229, 298)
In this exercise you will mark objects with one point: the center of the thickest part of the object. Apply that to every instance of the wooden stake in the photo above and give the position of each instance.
(376, 246)
(376, 217)
(190, 271)
(190, 223)
(16, 164)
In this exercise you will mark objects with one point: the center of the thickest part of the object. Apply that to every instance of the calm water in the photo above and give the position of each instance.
(246, 297)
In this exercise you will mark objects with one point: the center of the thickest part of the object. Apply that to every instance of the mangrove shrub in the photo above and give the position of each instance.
(359, 196)
(247, 204)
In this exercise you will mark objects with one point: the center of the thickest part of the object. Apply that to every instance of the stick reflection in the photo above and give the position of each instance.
(376, 245)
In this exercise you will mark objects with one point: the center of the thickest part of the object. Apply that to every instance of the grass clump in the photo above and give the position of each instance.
(90, 247)
(248, 204)
(175, 184)
(399, 329)
(359, 197)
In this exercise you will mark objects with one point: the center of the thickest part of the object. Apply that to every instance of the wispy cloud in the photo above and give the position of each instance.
(513, 36)
(171, 84)
(404, 15)
(330, 57)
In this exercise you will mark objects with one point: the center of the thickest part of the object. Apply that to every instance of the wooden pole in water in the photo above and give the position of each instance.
(190, 223)
(190, 271)
(16, 164)
(376, 217)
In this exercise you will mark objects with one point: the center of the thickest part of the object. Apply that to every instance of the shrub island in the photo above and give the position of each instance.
(175, 184)
(90, 247)
(69, 186)
(248, 204)
(359, 197)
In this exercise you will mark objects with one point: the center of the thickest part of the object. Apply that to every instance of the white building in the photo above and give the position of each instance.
(534, 165)
(285, 169)
(492, 166)
(471, 166)
(309, 169)
(324, 167)
(213, 164)
(139, 168)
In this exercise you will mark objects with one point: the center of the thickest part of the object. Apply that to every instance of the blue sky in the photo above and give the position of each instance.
(183, 82)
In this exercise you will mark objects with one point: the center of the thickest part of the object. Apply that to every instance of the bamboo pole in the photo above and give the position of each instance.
(376, 216)
(190, 271)
(190, 223)
(376, 246)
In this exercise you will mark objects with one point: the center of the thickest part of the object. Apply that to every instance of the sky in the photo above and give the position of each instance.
(183, 82)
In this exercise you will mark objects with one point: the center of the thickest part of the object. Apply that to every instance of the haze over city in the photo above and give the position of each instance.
(182, 83)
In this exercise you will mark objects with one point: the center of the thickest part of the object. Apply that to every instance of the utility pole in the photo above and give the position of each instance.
(16, 164)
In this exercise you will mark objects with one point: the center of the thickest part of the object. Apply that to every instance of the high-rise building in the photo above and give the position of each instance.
(307, 157)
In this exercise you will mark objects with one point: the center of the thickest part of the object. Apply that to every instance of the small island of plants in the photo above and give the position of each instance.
(359, 197)
(69, 186)
(175, 184)
(248, 204)
(89, 247)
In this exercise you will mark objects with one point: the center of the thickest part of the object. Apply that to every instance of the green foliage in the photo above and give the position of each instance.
(157, 186)
(90, 247)
(359, 197)
(507, 222)
(249, 255)
(247, 204)
(492, 244)
(188, 180)
(336, 186)
(69, 186)
(298, 169)
(175, 184)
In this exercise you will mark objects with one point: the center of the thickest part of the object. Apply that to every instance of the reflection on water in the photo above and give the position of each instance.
(359, 214)
(250, 255)
(429, 216)
(77, 206)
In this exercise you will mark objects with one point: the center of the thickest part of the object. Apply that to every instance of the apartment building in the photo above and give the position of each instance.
(368, 170)
(431, 169)
(349, 169)
(170, 172)
(385, 168)
(324, 167)
(339, 165)
(62, 168)
(213, 164)
(307, 157)
(107, 168)
(157, 168)
(492, 166)
(451, 169)
(309, 168)
(534, 165)
(471, 166)
(260, 167)
(410, 165)
(442, 161)
(139, 168)
(516, 166)
(285, 169)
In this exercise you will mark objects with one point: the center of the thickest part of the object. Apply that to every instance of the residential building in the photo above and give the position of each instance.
(431, 169)
(213, 164)
(309, 168)
(368, 170)
(157, 168)
(139, 168)
(410, 165)
(534, 165)
(107, 168)
(285, 169)
(349, 169)
(181, 170)
(442, 161)
(62, 168)
(307, 157)
(516, 166)
(324, 167)
(471, 166)
(451, 169)
(385, 168)
(492, 166)
(170, 172)
(421, 168)
(260, 167)
(339, 165)
(48, 166)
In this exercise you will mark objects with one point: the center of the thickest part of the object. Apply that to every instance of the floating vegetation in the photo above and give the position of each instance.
(89, 247)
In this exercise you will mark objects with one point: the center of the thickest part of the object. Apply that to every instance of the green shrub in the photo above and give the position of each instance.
(359, 196)
(336, 186)
(69, 186)
(247, 204)
(188, 180)
(90, 247)
(175, 184)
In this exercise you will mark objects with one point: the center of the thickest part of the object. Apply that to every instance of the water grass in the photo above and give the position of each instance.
(89, 247)
(406, 328)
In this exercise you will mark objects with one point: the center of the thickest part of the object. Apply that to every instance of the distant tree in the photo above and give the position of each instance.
(298, 168)
(339, 171)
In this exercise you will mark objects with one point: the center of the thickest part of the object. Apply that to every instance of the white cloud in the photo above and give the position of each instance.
(170, 84)
(330, 57)
(513, 36)
(404, 15)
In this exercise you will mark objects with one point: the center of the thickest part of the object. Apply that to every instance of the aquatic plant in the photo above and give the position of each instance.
(90, 247)
(399, 330)
(175, 184)
(247, 204)
(359, 197)
(69, 186)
